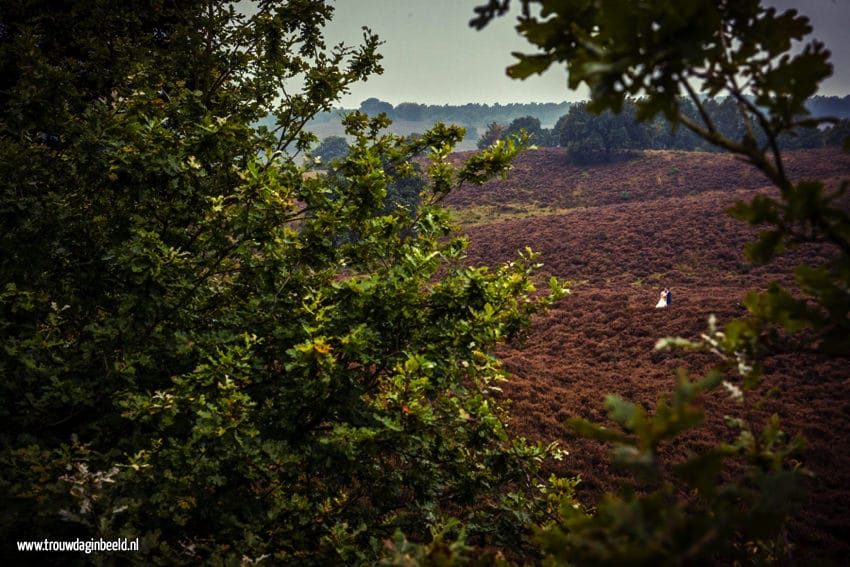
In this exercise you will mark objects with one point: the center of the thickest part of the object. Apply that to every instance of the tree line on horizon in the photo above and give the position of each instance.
(471, 114)
(474, 113)
(601, 137)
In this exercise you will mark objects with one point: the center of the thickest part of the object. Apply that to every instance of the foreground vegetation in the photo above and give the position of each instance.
(205, 348)
(208, 349)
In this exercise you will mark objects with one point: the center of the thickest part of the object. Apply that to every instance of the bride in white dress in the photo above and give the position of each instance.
(662, 302)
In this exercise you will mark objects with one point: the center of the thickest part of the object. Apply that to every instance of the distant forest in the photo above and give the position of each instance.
(548, 113)
(588, 137)
(470, 114)
(839, 107)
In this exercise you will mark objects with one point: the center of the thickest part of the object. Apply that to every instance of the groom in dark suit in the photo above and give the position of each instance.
(669, 296)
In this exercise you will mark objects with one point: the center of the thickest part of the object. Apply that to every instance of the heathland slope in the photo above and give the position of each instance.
(620, 232)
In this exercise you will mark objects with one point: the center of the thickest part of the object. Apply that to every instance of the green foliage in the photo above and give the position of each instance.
(528, 124)
(591, 138)
(494, 133)
(838, 134)
(409, 111)
(194, 352)
(525, 126)
(600, 137)
(375, 107)
(330, 149)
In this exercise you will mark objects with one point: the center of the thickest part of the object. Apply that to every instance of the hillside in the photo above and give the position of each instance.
(620, 233)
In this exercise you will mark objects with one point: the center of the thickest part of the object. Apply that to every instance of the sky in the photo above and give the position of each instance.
(432, 56)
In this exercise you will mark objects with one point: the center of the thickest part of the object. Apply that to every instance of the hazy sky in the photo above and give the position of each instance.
(432, 56)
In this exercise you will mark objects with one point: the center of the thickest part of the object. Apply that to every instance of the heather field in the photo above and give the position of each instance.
(620, 233)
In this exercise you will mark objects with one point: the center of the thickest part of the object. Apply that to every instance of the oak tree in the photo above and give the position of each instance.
(190, 353)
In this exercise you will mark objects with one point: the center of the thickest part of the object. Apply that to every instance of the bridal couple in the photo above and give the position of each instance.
(665, 299)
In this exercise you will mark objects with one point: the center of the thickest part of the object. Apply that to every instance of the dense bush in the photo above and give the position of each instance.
(194, 351)
(330, 149)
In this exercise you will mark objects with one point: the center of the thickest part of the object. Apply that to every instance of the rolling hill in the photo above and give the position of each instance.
(620, 232)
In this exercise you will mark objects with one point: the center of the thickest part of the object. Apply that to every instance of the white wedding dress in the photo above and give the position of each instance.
(663, 301)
